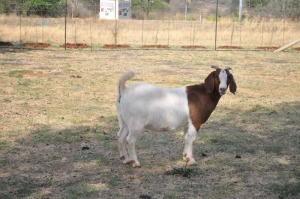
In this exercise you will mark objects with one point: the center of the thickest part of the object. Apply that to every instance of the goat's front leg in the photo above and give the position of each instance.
(131, 139)
(190, 137)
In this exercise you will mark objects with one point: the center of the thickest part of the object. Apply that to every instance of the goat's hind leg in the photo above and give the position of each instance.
(122, 134)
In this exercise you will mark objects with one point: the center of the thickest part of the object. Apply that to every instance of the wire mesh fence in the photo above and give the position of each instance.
(32, 29)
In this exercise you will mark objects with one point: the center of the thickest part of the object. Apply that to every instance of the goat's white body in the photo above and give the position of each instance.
(146, 106)
(154, 108)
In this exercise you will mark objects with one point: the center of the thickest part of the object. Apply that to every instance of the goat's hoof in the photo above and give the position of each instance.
(192, 162)
(136, 165)
(122, 157)
(186, 158)
(127, 161)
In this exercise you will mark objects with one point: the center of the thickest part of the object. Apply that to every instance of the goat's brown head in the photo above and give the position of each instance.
(220, 80)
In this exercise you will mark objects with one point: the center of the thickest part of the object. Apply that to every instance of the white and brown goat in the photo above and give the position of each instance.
(145, 106)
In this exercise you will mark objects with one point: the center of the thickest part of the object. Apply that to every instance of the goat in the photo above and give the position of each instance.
(146, 106)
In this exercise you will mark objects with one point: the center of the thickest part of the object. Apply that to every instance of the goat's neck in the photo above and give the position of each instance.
(215, 96)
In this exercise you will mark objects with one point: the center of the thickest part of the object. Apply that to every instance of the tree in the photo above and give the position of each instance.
(9, 6)
(256, 3)
(33, 7)
(148, 5)
(277, 8)
(45, 7)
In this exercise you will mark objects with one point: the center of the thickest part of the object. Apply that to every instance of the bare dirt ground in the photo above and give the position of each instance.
(36, 45)
(58, 126)
(68, 45)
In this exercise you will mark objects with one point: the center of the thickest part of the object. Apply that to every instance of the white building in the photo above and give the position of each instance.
(115, 9)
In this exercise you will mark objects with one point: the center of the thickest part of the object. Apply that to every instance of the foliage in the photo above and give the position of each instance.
(146, 6)
(256, 3)
(33, 7)
(5, 6)
(276, 8)
(45, 7)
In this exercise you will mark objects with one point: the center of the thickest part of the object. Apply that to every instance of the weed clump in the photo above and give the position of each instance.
(185, 172)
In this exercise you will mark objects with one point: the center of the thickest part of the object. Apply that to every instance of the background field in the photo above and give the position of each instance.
(58, 126)
(95, 33)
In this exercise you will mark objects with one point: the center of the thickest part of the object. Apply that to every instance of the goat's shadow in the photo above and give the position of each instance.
(59, 157)
(65, 158)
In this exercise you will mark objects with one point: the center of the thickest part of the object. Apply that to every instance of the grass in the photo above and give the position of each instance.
(185, 172)
(287, 190)
(58, 126)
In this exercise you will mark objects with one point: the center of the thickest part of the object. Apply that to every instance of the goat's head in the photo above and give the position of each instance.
(219, 80)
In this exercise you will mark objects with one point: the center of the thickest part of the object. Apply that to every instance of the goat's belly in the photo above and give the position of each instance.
(167, 123)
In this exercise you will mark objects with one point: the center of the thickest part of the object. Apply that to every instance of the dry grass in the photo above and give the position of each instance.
(251, 34)
(58, 126)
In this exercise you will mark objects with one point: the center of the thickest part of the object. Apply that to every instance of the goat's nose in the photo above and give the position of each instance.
(222, 90)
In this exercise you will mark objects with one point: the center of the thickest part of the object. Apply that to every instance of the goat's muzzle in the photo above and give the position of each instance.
(222, 91)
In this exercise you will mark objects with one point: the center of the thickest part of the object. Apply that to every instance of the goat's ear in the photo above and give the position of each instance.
(232, 84)
(210, 83)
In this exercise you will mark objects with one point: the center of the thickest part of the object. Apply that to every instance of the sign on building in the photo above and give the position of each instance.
(115, 9)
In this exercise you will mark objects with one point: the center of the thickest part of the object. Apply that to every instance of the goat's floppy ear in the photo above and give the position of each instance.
(232, 84)
(210, 83)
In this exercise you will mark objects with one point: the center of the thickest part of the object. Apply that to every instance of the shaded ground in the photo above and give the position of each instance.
(5, 43)
(59, 123)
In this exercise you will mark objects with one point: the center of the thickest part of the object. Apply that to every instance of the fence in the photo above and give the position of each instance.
(93, 33)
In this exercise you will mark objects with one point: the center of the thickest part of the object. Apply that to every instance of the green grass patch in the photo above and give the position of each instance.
(286, 190)
(6, 147)
(18, 73)
(185, 172)
(7, 100)
(81, 190)
(223, 190)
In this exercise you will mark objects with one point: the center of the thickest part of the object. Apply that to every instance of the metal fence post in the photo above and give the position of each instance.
(216, 28)
(20, 29)
(66, 12)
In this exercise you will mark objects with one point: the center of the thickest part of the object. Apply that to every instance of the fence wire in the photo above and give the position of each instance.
(85, 30)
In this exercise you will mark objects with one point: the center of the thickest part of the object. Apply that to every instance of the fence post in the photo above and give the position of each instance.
(143, 32)
(20, 29)
(262, 33)
(216, 28)
(169, 33)
(66, 12)
(232, 31)
(240, 34)
(91, 37)
(272, 32)
(156, 36)
(194, 32)
(75, 30)
(116, 32)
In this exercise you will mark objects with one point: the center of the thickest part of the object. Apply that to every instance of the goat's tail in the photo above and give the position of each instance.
(121, 85)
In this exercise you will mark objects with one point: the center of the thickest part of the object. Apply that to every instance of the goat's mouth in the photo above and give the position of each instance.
(222, 92)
